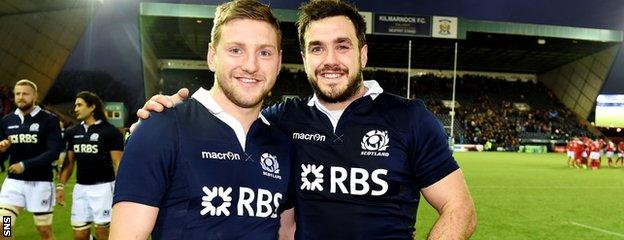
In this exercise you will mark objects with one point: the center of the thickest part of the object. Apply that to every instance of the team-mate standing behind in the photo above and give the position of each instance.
(95, 146)
(32, 138)
(213, 167)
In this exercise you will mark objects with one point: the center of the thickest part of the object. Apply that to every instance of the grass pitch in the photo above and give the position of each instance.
(536, 196)
(517, 195)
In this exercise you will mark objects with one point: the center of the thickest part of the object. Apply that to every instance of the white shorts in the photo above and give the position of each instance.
(584, 154)
(571, 154)
(34, 196)
(621, 154)
(594, 155)
(92, 203)
(609, 154)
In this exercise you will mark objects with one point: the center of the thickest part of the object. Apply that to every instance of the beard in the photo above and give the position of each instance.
(335, 95)
(24, 106)
(239, 97)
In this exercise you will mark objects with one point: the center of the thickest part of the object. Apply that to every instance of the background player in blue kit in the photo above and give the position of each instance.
(213, 167)
(32, 138)
(373, 153)
(96, 147)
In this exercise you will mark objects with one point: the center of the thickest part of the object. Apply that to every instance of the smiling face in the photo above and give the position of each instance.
(246, 61)
(333, 61)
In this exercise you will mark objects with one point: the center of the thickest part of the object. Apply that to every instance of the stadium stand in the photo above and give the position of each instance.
(506, 113)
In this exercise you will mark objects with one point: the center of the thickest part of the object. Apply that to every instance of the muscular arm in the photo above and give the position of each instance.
(132, 221)
(287, 225)
(116, 157)
(450, 197)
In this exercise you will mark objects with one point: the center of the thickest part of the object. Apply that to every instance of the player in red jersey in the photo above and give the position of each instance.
(578, 149)
(594, 154)
(585, 152)
(570, 153)
(620, 158)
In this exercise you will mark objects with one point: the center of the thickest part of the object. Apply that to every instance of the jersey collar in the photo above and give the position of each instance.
(87, 127)
(373, 91)
(34, 112)
(203, 96)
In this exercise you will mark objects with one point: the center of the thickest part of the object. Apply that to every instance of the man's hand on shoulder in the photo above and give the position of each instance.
(158, 103)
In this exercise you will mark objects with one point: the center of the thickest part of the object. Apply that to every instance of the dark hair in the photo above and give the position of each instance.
(91, 99)
(243, 9)
(319, 9)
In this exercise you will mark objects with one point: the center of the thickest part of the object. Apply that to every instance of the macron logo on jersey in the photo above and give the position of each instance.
(375, 143)
(266, 203)
(352, 181)
(270, 166)
(308, 136)
(220, 156)
(13, 127)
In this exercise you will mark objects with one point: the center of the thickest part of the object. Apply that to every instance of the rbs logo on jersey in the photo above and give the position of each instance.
(352, 181)
(263, 201)
(23, 138)
(85, 148)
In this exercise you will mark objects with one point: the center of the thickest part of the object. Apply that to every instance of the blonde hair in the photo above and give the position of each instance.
(243, 9)
(26, 82)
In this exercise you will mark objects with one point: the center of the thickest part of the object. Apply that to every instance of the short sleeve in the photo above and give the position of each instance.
(68, 138)
(114, 141)
(432, 158)
(148, 161)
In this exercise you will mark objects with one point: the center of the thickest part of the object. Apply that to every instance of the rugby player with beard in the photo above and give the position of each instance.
(364, 156)
(32, 138)
(213, 167)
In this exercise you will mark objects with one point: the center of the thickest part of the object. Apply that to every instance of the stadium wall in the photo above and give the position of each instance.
(36, 45)
(578, 83)
(152, 76)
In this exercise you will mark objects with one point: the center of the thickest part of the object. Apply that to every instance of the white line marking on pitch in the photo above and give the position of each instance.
(597, 229)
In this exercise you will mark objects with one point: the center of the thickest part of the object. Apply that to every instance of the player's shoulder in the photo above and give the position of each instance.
(73, 129)
(168, 117)
(400, 107)
(294, 108)
(391, 102)
(288, 105)
(109, 127)
(9, 117)
(48, 115)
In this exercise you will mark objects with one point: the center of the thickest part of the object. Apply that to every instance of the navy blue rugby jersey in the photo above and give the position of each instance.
(92, 149)
(191, 165)
(36, 142)
(363, 181)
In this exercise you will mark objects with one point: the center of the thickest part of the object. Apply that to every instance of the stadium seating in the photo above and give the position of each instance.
(505, 113)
